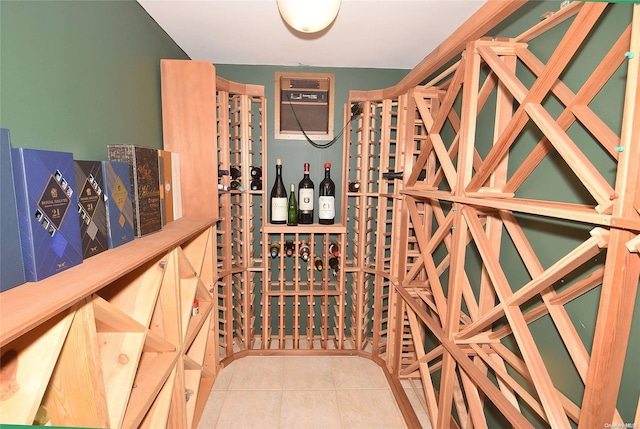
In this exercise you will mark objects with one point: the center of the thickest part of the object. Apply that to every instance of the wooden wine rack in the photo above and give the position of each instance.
(459, 328)
(119, 347)
(241, 143)
(421, 289)
(303, 307)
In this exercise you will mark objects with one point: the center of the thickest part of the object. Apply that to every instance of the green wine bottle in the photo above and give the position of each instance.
(292, 209)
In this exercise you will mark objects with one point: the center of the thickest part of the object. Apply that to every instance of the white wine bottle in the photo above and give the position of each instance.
(278, 198)
(292, 207)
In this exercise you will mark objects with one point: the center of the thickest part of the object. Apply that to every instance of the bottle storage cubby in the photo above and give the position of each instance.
(124, 345)
(303, 301)
(241, 153)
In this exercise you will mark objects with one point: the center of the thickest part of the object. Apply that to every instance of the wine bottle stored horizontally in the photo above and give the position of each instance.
(256, 184)
(334, 249)
(274, 249)
(236, 186)
(334, 265)
(289, 248)
(305, 198)
(318, 263)
(392, 175)
(256, 172)
(278, 198)
(292, 207)
(304, 251)
(327, 199)
(234, 172)
(354, 186)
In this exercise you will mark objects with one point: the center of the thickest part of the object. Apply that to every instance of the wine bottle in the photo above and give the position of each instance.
(256, 172)
(236, 186)
(222, 187)
(391, 175)
(222, 172)
(334, 249)
(305, 198)
(256, 184)
(274, 249)
(304, 251)
(327, 200)
(318, 263)
(235, 172)
(278, 198)
(289, 248)
(354, 186)
(334, 265)
(292, 207)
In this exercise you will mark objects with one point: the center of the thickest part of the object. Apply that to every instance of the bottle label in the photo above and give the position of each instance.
(306, 199)
(327, 208)
(279, 209)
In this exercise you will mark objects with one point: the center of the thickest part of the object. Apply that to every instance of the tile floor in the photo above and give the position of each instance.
(302, 392)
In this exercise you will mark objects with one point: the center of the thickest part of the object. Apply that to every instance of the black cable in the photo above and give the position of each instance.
(356, 110)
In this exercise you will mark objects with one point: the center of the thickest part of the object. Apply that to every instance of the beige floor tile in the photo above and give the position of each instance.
(353, 372)
(309, 409)
(258, 372)
(307, 373)
(250, 409)
(223, 379)
(212, 410)
(369, 409)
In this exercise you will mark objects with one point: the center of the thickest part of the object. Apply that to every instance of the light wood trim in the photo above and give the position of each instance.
(189, 128)
(22, 308)
(620, 285)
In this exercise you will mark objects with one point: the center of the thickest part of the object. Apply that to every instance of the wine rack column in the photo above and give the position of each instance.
(240, 152)
(362, 203)
(303, 307)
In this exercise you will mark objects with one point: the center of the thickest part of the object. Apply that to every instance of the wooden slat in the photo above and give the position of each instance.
(76, 394)
(622, 268)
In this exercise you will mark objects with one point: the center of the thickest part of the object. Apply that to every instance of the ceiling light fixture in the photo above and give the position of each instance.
(309, 16)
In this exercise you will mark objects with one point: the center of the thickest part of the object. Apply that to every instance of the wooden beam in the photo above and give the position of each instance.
(480, 23)
(622, 268)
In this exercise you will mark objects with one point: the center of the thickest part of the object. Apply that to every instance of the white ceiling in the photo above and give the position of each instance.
(367, 33)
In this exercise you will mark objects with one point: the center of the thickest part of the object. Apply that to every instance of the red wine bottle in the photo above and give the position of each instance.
(327, 199)
(305, 198)
(334, 249)
(289, 248)
(278, 198)
(334, 264)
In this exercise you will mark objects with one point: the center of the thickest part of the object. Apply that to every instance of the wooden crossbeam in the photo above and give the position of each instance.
(532, 357)
(622, 268)
(511, 413)
(581, 254)
(573, 156)
(564, 52)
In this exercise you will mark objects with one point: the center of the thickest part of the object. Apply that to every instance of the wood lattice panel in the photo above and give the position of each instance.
(474, 320)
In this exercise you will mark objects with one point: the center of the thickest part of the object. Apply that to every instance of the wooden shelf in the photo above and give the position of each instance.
(23, 308)
(315, 228)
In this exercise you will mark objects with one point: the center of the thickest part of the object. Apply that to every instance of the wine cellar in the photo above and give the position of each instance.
(439, 269)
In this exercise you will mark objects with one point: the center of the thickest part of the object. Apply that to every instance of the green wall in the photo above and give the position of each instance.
(79, 75)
